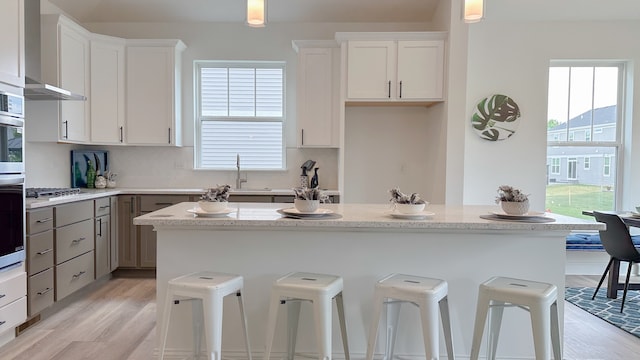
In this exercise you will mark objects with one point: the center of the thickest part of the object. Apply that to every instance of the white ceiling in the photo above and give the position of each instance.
(87, 11)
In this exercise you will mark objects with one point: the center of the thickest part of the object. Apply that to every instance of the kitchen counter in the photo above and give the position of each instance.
(89, 194)
(364, 245)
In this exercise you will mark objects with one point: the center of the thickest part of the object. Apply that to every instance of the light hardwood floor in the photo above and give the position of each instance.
(116, 321)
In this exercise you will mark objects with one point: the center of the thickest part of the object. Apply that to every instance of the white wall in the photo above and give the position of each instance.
(512, 58)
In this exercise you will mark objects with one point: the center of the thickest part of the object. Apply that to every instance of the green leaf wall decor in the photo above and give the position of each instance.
(496, 117)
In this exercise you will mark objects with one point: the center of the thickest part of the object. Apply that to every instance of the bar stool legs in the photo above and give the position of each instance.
(430, 295)
(320, 290)
(539, 299)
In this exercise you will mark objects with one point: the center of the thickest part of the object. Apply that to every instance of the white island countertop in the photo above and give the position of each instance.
(355, 216)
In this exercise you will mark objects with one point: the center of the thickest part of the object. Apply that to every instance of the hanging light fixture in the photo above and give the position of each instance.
(473, 10)
(256, 13)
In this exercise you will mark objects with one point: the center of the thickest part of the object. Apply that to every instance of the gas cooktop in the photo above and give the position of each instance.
(37, 192)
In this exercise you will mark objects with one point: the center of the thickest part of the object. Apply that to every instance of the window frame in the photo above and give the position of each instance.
(199, 118)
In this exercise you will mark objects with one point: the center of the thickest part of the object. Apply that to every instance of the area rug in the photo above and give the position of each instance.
(609, 309)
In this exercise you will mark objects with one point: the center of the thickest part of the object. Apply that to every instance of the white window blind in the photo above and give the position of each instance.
(240, 112)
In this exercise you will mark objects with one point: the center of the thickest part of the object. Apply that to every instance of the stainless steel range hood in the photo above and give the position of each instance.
(34, 88)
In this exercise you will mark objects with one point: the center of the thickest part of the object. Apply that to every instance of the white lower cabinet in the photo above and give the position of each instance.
(13, 300)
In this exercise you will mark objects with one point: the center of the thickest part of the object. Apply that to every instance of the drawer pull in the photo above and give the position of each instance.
(2, 295)
(2, 322)
(44, 291)
(103, 207)
(44, 251)
(75, 276)
(76, 241)
(45, 220)
(164, 203)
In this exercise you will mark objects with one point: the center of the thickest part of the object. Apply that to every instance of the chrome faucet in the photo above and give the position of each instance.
(239, 180)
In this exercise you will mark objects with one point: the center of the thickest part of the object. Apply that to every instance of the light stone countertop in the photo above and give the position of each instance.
(355, 216)
(90, 194)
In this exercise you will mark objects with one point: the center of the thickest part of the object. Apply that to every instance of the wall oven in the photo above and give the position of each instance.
(12, 196)
(12, 220)
(11, 128)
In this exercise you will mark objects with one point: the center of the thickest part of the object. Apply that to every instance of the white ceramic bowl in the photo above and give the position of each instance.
(306, 206)
(212, 206)
(410, 208)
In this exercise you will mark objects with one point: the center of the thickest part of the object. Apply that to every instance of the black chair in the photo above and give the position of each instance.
(617, 242)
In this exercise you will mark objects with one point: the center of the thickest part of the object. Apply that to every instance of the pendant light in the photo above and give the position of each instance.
(473, 10)
(256, 13)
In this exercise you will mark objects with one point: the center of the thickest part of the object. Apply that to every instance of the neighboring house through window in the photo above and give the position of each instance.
(585, 108)
(239, 115)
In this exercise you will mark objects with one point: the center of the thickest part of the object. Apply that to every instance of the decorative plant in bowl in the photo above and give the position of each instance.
(513, 201)
(307, 200)
(215, 199)
(406, 204)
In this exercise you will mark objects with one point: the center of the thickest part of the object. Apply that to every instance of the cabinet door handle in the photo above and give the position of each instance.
(66, 129)
(389, 89)
(45, 220)
(2, 322)
(121, 138)
(76, 241)
(44, 291)
(169, 135)
(100, 226)
(131, 209)
(75, 276)
(400, 89)
(302, 137)
(2, 295)
(44, 251)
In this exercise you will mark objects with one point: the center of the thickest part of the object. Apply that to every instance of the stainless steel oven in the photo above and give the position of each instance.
(12, 219)
(11, 128)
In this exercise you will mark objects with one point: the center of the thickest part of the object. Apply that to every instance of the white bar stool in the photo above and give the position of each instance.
(539, 299)
(319, 289)
(208, 290)
(426, 293)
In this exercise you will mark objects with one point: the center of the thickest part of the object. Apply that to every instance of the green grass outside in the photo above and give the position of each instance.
(572, 199)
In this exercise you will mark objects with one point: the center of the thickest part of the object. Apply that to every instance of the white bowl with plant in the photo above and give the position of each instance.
(215, 199)
(512, 201)
(406, 204)
(307, 200)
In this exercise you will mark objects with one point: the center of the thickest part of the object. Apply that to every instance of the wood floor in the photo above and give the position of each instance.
(116, 321)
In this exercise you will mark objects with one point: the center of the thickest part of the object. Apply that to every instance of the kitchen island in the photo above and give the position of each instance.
(364, 244)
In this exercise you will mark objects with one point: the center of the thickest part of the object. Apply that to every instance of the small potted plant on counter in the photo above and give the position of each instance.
(215, 199)
(406, 204)
(512, 201)
(307, 200)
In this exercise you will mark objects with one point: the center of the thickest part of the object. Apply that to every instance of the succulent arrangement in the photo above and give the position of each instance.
(397, 197)
(509, 193)
(307, 193)
(217, 194)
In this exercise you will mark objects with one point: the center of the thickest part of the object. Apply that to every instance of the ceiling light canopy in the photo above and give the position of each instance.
(256, 13)
(473, 10)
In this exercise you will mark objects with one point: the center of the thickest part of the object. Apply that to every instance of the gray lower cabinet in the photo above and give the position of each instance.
(68, 247)
(137, 244)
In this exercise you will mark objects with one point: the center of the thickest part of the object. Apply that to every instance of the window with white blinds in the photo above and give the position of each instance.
(240, 111)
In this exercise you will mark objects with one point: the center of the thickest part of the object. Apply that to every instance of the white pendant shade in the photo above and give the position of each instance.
(473, 10)
(256, 13)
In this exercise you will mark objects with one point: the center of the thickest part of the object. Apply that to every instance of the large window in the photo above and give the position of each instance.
(239, 114)
(584, 98)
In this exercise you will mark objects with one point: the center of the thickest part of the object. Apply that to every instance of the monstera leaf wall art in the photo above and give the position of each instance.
(496, 117)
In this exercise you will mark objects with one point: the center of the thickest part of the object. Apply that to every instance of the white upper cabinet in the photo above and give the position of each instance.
(12, 40)
(394, 67)
(65, 63)
(318, 93)
(107, 90)
(153, 92)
